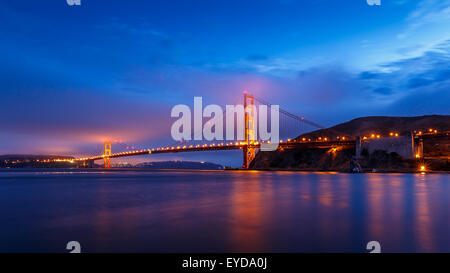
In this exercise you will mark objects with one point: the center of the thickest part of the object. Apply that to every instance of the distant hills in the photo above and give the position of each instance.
(34, 161)
(32, 157)
(190, 165)
(383, 125)
(40, 161)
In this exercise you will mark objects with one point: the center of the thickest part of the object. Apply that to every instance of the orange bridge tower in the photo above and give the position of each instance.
(249, 129)
(107, 154)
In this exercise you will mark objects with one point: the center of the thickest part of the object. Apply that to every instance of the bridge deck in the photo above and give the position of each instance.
(222, 147)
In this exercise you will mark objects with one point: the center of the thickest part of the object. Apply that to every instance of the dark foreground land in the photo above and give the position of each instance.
(436, 150)
(343, 161)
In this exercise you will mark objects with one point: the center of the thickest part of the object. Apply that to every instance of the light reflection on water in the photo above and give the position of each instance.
(198, 211)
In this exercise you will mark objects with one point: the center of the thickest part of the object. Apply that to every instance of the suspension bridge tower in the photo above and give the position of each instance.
(249, 129)
(107, 154)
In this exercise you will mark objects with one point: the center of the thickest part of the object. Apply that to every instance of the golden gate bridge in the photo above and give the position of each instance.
(249, 146)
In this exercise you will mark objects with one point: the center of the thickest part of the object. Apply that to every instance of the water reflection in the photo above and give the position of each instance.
(376, 201)
(423, 222)
(246, 214)
(225, 211)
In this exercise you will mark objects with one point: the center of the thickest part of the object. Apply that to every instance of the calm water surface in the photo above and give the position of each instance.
(223, 211)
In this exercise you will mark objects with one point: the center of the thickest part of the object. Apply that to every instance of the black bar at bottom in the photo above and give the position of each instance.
(223, 262)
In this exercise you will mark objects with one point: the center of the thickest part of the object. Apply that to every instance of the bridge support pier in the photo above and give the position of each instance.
(86, 164)
(90, 164)
(249, 155)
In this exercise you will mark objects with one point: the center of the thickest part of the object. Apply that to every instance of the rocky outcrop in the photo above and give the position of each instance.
(305, 159)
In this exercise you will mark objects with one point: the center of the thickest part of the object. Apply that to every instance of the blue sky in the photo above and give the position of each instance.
(71, 76)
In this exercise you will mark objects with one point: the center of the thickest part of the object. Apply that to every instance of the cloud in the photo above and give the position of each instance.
(383, 90)
(423, 101)
(429, 68)
(368, 75)
(334, 93)
(427, 12)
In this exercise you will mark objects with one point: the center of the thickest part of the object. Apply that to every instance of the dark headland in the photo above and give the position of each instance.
(434, 156)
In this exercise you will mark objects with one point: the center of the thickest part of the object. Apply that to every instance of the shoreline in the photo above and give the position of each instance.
(80, 170)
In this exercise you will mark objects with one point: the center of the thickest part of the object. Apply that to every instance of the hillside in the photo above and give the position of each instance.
(365, 126)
